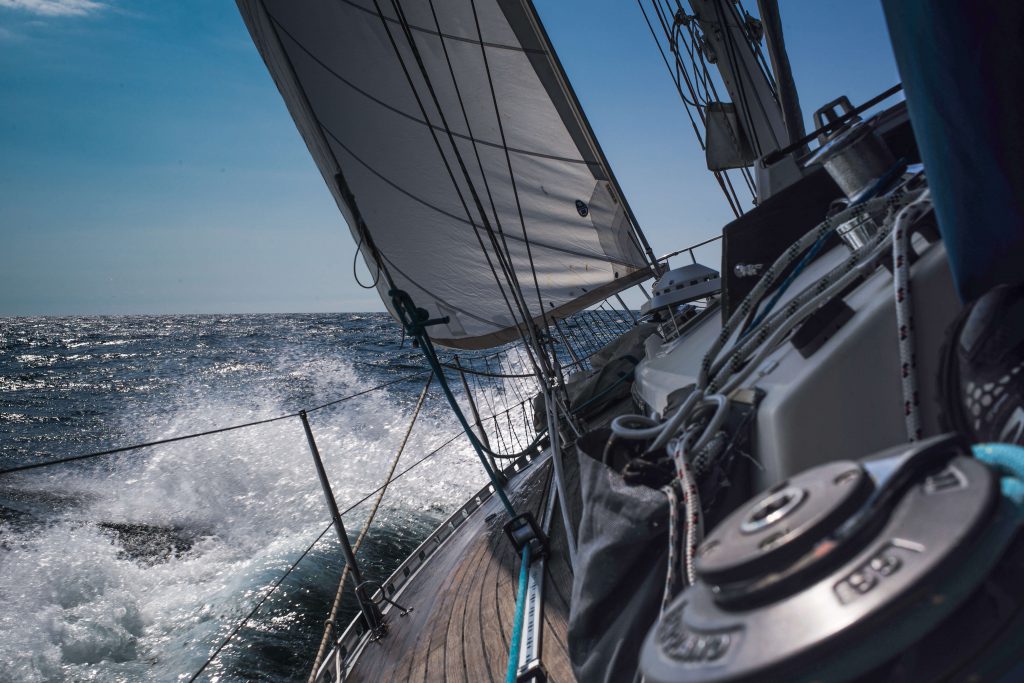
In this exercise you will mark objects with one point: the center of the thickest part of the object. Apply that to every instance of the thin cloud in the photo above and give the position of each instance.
(54, 8)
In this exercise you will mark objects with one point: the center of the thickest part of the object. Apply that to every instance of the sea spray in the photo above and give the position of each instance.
(135, 566)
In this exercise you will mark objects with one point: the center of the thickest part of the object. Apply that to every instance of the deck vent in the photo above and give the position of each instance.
(683, 285)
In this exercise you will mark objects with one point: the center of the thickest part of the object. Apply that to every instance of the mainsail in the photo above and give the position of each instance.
(457, 153)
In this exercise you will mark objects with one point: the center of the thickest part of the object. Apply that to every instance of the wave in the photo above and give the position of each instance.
(135, 566)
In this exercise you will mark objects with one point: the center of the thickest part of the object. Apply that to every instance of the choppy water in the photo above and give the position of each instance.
(134, 566)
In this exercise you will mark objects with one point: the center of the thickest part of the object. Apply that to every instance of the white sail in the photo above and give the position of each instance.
(381, 134)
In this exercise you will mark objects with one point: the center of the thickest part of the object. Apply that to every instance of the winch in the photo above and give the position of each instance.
(902, 566)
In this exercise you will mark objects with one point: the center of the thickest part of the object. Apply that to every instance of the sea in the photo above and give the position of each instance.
(135, 566)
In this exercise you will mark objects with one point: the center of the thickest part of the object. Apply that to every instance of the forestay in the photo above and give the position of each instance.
(525, 179)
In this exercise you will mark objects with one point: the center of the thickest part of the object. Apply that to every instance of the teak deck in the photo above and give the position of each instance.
(463, 599)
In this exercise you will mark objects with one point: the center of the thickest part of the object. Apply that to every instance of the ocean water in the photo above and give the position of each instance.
(135, 566)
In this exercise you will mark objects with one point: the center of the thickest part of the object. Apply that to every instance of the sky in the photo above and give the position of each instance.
(148, 164)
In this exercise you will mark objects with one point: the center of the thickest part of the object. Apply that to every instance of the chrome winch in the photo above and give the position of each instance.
(855, 571)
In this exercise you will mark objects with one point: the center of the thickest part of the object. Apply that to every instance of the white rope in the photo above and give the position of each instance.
(768, 345)
(747, 354)
(755, 337)
(693, 523)
(788, 257)
(905, 311)
(714, 373)
(673, 545)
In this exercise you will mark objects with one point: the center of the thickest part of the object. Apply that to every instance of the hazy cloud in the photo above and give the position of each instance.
(55, 8)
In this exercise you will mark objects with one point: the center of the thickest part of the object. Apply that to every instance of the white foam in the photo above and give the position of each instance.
(76, 607)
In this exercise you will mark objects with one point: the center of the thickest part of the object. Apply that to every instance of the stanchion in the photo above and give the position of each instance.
(372, 616)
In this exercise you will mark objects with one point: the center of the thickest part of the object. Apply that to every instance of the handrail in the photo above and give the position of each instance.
(351, 567)
(312, 545)
(597, 326)
(355, 636)
(689, 249)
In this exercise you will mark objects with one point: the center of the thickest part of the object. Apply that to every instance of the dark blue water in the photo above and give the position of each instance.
(134, 566)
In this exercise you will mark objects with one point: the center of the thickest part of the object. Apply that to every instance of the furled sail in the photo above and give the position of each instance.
(457, 153)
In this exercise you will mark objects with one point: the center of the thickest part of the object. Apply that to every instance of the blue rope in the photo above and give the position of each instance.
(880, 184)
(517, 625)
(415, 321)
(784, 285)
(1008, 460)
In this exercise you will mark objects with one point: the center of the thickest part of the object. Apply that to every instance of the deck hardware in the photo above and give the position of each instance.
(378, 596)
(535, 674)
(371, 615)
(523, 530)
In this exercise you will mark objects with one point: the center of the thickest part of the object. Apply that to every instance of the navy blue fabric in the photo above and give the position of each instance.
(962, 66)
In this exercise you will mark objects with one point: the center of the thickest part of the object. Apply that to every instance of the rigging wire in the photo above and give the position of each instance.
(681, 38)
(508, 163)
(469, 126)
(245, 620)
(679, 89)
(455, 150)
(333, 612)
(743, 105)
(219, 430)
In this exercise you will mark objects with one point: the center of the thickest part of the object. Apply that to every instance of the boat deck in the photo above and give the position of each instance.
(464, 600)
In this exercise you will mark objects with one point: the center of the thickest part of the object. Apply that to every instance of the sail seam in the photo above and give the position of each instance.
(438, 33)
(412, 117)
(604, 258)
(508, 162)
(439, 147)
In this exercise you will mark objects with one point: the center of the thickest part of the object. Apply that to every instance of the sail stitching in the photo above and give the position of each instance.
(500, 46)
(440, 149)
(476, 150)
(501, 254)
(508, 162)
(411, 117)
(582, 254)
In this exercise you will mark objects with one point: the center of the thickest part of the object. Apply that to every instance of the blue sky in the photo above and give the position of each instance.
(148, 165)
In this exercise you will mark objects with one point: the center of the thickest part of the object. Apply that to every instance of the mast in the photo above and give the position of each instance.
(785, 86)
(762, 117)
(750, 90)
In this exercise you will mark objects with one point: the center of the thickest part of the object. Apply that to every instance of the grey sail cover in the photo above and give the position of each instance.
(358, 96)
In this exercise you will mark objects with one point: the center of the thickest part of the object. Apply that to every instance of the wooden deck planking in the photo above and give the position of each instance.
(495, 637)
(464, 603)
(464, 597)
